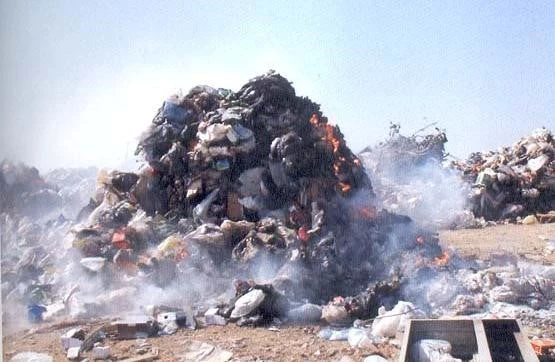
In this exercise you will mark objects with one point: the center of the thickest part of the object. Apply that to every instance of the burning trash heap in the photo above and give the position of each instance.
(517, 180)
(250, 207)
(254, 184)
(245, 182)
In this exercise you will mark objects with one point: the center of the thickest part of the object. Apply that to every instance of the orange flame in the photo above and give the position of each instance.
(344, 187)
(441, 260)
(331, 138)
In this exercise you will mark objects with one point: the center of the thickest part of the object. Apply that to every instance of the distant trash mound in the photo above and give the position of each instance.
(514, 181)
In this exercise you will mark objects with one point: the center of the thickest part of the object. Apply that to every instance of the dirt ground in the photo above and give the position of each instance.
(294, 343)
(525, 241)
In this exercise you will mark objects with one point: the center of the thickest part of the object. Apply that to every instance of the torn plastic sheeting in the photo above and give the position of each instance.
(233, 114)
(359, 338)
(535, 164)
(204, 352)
(241, 133)
(332, 334)
(238, 133)
(245, 147)
(388, 322)
(277, 170)
(250, 180)
(253, 203)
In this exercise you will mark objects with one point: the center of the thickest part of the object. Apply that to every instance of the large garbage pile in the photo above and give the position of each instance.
(409, 176)
(515, 180)
(254, 184)
(245, 174)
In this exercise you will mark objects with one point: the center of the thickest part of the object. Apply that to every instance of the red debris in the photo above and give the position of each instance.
(119, 240)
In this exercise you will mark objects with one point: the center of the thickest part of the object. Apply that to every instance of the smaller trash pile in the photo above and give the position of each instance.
(24, 192)
(400, 154)
(74, 186)
(515, 180)
(409, 177)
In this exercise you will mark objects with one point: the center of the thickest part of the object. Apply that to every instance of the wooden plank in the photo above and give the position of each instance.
(403, 356)
(525, 347)
(484, 354)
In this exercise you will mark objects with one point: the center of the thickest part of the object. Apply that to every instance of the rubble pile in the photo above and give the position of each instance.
(514, 181)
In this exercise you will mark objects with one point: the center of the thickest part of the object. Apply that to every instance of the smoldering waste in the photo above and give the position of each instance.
(249, 207)
(409, 176)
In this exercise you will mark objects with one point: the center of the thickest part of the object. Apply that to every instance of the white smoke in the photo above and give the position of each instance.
(429, 193)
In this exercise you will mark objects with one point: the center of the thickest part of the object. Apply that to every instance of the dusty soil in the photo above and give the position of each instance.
(294, 343)
(525, 241)
(289, 343)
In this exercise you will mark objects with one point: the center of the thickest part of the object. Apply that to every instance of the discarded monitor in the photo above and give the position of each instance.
(489, 340)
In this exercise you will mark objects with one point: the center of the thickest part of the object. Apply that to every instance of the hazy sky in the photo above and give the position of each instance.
(81, 79)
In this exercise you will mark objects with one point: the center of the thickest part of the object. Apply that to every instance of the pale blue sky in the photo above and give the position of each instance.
(80, 80)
